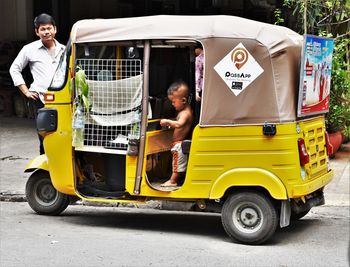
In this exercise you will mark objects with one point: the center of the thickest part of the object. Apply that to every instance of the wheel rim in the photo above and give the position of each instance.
(247, 217)
(45, 194)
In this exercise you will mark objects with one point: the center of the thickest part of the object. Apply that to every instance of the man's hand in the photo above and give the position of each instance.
(32, 95)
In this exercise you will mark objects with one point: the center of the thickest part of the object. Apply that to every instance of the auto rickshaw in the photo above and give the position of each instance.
(250, 155)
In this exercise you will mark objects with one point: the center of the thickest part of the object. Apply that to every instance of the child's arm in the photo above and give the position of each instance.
(180, 122)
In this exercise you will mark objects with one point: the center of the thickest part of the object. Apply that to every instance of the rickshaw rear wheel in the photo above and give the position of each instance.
(42, 197)
(249, 217)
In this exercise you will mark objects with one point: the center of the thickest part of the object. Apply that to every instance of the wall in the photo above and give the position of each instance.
(16, 20)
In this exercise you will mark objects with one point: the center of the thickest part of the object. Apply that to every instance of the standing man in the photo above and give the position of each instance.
(43, 57)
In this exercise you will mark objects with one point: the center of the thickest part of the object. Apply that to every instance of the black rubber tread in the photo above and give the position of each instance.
(54, 208)
(269, 214)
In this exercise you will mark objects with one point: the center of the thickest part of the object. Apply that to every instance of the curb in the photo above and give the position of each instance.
(12, 197)
(152, 204)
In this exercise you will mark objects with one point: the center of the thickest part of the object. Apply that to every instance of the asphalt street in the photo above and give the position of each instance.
(107, 236)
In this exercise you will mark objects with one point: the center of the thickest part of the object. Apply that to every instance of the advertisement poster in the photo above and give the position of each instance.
(238, 69)
(315, 75)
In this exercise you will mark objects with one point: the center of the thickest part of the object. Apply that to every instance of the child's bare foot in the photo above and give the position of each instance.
(168, 183)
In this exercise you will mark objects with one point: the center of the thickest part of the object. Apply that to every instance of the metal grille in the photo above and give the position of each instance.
(115, 90)
(315, 143)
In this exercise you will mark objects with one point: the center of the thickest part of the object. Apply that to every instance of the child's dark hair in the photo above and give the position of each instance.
(43, 19)
(176, 85)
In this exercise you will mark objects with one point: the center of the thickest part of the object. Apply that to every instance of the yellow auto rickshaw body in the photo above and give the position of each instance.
(245, 139)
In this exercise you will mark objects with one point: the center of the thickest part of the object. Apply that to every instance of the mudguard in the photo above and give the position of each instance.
(39, 162)
(257, 178)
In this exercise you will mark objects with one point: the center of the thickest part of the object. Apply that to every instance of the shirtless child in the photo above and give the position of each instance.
(178, 94)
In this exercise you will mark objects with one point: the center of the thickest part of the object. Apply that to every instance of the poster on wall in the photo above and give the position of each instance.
(315, 75)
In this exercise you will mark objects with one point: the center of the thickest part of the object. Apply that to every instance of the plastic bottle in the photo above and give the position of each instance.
(134, 135)
(78, 128)
(135, 130)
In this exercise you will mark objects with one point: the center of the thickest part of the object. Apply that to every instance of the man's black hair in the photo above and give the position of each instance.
(198, 45)
(43, 19)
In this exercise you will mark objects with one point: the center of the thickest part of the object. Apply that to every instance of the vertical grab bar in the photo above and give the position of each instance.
(146, 55)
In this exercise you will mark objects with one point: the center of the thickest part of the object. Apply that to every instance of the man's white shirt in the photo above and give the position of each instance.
(42, 65)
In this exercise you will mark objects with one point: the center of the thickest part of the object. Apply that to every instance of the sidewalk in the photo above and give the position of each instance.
(19, 144)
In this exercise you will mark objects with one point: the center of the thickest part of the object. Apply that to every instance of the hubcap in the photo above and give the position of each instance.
(247, 217)
(45, 193)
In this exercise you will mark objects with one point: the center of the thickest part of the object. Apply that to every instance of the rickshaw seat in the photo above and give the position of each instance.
(156, 105)
(186, 146)
(161, 107)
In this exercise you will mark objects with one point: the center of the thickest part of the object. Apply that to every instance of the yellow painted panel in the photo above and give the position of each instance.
(311, 186)
(58, 148)
(313, 133)
(248, 177)
(39, 162)
(220, 158)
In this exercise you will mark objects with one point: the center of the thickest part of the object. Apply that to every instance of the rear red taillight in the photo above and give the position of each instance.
(328, 145)
(303, 155)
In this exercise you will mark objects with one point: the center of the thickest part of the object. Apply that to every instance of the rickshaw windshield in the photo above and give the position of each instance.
(60, 76)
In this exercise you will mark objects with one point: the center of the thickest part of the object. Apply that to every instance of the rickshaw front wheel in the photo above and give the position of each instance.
(42, 197)
(249, 217)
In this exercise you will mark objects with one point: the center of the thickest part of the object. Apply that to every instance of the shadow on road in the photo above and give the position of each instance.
(149, 220)
(296, 230)
(192, 223)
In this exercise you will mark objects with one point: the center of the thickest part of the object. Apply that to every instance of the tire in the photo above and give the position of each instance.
(42, 197)
(249, 217)
(296, 216)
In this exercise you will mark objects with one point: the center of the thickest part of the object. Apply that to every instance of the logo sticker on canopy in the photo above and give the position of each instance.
(238, 69)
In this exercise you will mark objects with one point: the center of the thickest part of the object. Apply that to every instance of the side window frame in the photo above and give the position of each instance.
(63, 60)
